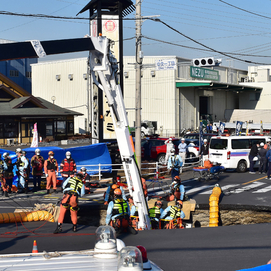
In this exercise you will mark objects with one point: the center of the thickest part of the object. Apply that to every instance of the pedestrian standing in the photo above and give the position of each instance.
(7, 172)
(204, 151)
(51, 170)
(170, 146)
(174, 164)
(68, 167)
(182, 151)
(253, 157)
(37, 163)
(22, 165)
(268, 157)
(27, 171)
(263, 160)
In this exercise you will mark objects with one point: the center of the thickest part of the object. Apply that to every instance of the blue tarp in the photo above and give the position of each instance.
(86, 156)
(266, 267)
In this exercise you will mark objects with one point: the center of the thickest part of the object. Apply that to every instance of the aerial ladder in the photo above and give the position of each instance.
(103, 67)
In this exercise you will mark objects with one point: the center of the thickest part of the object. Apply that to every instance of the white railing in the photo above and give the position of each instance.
(153, 169)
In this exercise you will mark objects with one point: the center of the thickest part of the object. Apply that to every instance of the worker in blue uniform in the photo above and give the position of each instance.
(177, 190)
(174, 165)
(118, 213)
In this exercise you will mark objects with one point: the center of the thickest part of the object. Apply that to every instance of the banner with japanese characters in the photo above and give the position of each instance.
(221, 128)
(238, 129)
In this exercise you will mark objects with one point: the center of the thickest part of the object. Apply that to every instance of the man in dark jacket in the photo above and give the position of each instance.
(262, 154)
(253, 157)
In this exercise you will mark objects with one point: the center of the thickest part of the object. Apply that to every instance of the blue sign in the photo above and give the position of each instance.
(238, 129)
(221, 128)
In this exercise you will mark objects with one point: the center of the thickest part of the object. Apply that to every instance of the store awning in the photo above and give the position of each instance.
(217, 86)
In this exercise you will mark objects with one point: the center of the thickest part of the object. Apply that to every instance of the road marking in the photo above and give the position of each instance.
(263, 190)
(222, 188)
(248, 187)
(254, 180)
(198, 189)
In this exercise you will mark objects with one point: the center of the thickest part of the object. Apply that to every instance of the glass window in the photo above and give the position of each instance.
(219, 144)
(240, 144)
(10, 129)
(61, 127)
(70, 127)
(49, 129)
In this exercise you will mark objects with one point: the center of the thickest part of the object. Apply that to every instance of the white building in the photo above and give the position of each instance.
(174, 99)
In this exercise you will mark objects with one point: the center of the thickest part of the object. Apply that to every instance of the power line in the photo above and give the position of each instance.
(200, 49)
(253, 13)
(203, 45)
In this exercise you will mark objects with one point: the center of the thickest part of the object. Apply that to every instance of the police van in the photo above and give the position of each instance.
(233, 151)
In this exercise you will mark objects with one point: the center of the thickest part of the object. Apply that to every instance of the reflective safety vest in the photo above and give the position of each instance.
(175, 212)
(68, 167)
(120, 207)
(154, 212)
(51, 164)
(75, 184)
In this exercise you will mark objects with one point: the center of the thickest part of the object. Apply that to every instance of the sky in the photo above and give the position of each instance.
(236, 31)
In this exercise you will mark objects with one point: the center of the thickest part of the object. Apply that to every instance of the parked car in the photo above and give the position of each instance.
(158, 149)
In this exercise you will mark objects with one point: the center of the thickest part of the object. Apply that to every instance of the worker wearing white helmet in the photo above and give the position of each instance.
(170, 146)
(174, 164)
(68, 167)
(182, 151)
(22, 165)
(37, 163)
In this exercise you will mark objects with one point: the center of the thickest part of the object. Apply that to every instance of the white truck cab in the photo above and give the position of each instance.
(233, 151)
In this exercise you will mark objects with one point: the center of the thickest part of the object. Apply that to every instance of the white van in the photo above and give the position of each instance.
(233, 151)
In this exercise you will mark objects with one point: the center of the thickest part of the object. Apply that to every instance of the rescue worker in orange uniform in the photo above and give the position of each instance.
(37, 163)
(68, 167)
(177, 191)
(51, 170)
(118, 212)
(72, 188)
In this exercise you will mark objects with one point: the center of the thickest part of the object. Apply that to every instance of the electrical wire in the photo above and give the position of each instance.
(253, 13)
(205, 46)
(200, 49)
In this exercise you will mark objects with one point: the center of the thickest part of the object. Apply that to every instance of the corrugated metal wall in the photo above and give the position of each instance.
(69, 93)
(158, 94)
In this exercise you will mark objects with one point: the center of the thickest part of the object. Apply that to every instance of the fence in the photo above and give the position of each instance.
(148, 169)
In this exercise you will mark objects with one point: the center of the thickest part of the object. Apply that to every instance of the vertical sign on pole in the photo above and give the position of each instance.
(238, 129)
(221, 128)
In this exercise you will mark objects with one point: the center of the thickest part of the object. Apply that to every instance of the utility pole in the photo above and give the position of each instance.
(139, 57)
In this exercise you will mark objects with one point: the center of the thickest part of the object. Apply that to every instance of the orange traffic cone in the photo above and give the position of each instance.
(35, 248)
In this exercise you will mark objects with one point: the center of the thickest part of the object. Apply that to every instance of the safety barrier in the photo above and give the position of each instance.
(213, 205)
(26, 217)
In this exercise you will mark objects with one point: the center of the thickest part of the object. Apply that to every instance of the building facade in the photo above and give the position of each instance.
(173, 99)
(18, 70)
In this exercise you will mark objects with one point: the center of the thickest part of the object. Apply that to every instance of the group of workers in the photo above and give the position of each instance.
(39, 165)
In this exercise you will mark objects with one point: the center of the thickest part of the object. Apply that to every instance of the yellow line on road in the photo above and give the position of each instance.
(254, 180)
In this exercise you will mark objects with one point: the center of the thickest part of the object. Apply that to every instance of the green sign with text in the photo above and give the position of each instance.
(202, 73)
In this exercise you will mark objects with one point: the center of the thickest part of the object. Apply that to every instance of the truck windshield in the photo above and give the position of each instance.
(218, 144)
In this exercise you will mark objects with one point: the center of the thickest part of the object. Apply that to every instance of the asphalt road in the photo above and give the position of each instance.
(221, 248)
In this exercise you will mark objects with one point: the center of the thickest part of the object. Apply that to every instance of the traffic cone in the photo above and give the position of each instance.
(35, 248)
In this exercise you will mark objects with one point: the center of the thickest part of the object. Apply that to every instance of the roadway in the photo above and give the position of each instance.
(222, 248)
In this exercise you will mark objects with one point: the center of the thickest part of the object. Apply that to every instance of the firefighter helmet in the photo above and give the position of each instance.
(158, 202)
(177, 179)
(117, 192)
(18, 150)
(37, 150)
(51, 153)
(115, 186)
(80, 175)
(179, 203)
(6, 154)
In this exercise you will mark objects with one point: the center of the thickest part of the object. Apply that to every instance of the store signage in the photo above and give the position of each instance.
(203, 73)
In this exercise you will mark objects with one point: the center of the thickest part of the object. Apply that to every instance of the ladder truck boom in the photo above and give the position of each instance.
(105, 66)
